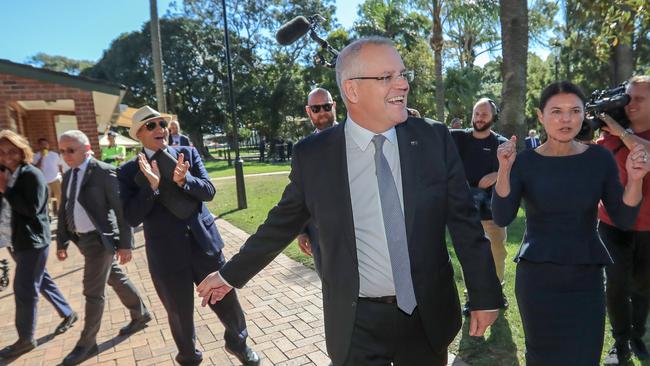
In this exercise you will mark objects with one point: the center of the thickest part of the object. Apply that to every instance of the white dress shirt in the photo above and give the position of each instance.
(82, 222)
(375, 271)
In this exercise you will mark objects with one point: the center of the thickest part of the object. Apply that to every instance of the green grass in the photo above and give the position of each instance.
(503, 344)
(262, 193)
(220, 168)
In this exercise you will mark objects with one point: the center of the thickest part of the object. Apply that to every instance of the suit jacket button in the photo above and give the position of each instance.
(354, 303)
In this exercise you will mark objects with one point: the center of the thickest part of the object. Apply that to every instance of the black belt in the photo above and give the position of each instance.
(382, 300)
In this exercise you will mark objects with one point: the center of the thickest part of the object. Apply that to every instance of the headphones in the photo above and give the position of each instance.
(495, 110)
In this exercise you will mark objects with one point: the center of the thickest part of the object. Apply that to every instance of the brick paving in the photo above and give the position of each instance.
(283, 309)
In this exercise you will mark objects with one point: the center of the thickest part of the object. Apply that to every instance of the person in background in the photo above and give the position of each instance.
(113, 153)
(91, 217)
(559, 280)
(456, 123)
(532, 141)
(628, 278)
(175, 136)
(25, 188)
(49, 162)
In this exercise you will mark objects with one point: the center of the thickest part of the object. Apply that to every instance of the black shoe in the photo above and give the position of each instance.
(18, 348)
(80, 354)
(136, 325)
(639, 349)
(466, 310)
(194, 362)
(619, 354)
(66, 323)
(247, 357)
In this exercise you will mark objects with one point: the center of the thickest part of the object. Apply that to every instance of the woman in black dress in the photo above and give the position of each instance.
(559, 279)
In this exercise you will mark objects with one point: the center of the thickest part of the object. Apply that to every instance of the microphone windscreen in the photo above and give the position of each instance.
(292, 30)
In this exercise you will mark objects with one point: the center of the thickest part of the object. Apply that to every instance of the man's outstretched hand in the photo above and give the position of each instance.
(212, 289)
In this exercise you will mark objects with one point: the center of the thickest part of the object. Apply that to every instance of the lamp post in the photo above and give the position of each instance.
(239, 168)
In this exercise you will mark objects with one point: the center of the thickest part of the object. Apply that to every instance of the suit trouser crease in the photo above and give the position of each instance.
(31, 278)
(176, 292)
(628, 281)
(101, 268)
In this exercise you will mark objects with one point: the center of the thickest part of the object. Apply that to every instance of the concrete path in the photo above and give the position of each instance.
(283, 308)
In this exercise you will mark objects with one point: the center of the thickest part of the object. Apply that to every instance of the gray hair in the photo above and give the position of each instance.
(346, 62)
(76, 135)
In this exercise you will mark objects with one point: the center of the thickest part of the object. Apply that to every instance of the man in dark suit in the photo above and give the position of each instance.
(532, 141)
(321, 109)
(91, 216)
(388, 284)
(181, 250)
(175, 136)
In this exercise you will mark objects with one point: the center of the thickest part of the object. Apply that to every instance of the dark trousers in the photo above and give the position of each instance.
(176, 292)
(100, 267)
(383, 334)
(628, 281)
(30, 279)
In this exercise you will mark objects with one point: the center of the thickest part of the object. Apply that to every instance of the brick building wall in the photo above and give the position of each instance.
(36, 124)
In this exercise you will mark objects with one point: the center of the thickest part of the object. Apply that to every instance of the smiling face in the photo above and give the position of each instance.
(562, 117)
(374, 104)
(156, 138)
(638, 110)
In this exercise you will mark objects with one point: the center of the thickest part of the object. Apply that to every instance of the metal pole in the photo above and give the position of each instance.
(239, 168)
(156, 52)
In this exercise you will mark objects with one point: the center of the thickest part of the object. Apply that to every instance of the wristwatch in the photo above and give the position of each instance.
(626, 132)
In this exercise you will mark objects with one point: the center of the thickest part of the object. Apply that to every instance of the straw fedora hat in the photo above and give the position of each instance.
(142, 116)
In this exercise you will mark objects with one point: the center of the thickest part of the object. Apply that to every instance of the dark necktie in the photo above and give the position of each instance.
(391, 209)
(69, 206)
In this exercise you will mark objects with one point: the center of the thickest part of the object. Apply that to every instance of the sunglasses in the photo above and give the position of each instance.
(151, 125)
(316, 108)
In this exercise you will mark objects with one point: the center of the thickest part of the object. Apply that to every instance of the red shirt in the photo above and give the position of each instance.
(620, 151)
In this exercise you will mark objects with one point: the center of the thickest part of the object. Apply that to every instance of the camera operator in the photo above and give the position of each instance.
(628, 279)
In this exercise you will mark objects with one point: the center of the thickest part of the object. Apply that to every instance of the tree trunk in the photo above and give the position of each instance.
(621, 62)
(436, 43)
(514, 35)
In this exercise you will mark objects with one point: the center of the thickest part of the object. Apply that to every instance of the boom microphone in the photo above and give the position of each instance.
(292, 30)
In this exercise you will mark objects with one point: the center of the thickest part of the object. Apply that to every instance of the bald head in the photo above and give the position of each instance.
(321, 108)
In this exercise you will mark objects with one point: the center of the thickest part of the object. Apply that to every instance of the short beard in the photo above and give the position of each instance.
(485, 127)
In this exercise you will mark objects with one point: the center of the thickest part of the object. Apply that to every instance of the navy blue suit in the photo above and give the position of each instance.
(529, 142)
(182, 252)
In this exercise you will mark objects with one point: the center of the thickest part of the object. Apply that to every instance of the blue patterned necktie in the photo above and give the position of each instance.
(395, 230)
(69, 205)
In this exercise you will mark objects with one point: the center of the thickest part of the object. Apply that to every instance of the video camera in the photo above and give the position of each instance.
(611, 101)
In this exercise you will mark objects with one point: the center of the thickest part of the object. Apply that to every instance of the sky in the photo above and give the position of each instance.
(83, 29)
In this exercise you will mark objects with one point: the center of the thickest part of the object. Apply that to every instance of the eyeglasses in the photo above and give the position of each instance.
(316, 108)
(151, 125)
(407, 75)
(68, 151)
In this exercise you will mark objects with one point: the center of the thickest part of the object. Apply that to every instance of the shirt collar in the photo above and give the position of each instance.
(363, 137)
(84, 165)
(150, 152)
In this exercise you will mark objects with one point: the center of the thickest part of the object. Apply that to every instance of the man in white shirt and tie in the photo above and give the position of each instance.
(382, 188)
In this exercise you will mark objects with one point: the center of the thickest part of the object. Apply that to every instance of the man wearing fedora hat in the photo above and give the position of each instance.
(181, 249)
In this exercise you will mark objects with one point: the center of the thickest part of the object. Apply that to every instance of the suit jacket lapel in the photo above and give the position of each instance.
(337, 150)
(408, 147)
